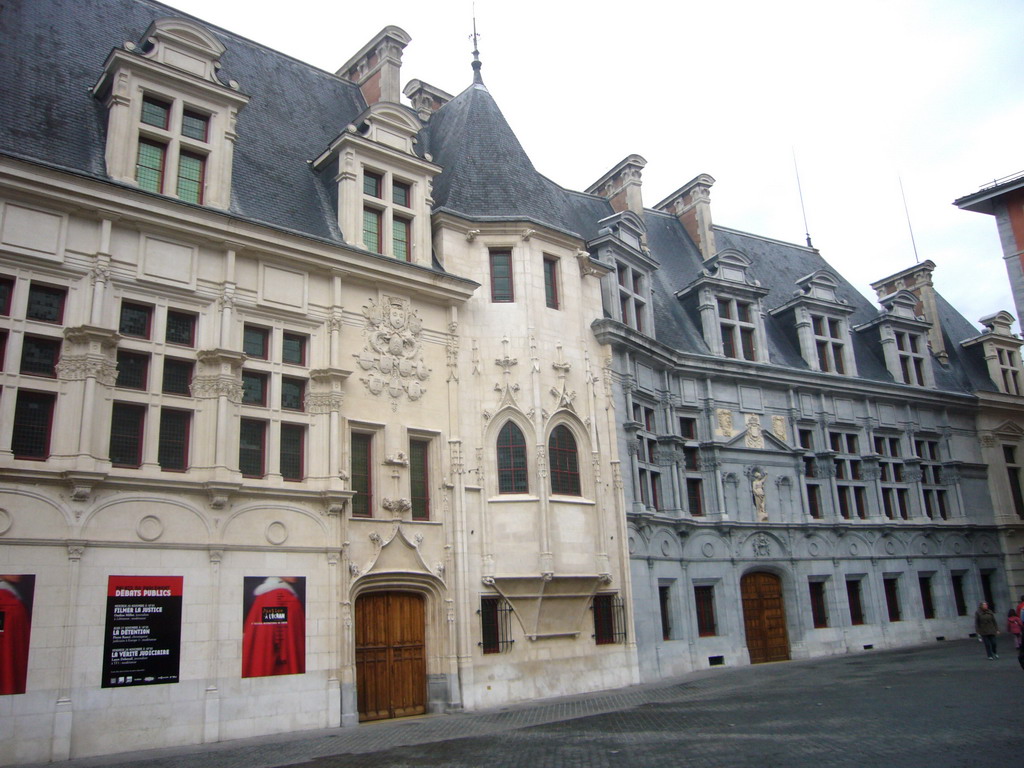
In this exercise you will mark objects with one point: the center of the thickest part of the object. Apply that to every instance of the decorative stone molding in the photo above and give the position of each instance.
(779, 427)
(393, 354)
(396, 506)
(723, 419)
(82, 484)
(761, 545)
(324, 402)
(754, 437)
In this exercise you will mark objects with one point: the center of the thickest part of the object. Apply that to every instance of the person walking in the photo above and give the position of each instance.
(986, 627)
(1013, 626)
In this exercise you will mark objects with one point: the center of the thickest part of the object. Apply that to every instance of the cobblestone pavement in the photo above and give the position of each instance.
(934, 706)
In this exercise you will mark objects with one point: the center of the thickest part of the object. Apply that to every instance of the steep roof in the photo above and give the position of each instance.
(488, 176)
(54, 51)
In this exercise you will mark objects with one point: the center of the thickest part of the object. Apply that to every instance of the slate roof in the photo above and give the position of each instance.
(53, 54)
(488, 176)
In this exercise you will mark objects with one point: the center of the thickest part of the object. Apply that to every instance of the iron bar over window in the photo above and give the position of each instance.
(495, 625)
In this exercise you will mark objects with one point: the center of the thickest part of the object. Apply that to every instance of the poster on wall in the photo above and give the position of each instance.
(16, 593)
(142, 641)
(274, 633)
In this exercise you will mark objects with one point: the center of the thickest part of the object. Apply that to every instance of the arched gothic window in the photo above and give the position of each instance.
(512, 476)
(565, 469)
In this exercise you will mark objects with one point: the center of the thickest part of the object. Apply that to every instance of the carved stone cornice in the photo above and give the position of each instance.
(81, 367)
(207, 387)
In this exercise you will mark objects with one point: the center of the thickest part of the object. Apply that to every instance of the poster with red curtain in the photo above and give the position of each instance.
(274, 633)
(16, 594)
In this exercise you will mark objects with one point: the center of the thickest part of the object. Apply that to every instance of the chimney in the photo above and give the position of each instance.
(691, 204)
(425, 98)
(918, 280)
(377, 68)
(621, 185)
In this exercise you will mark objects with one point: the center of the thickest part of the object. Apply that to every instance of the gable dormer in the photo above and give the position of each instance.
(821, 321)
(171, 121)
(1001, 348)
(729, 303)
(904, 339)
(384, 188)
(627, 290)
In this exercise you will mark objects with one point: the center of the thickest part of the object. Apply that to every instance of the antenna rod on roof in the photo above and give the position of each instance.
(476, 53)
(909, 225)
(800, 192)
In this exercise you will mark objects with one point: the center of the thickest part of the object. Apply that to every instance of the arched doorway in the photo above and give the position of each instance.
(764, 617)
(391, 669)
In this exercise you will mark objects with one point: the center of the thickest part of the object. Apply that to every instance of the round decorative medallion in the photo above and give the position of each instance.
(665, 548)
(957, 547)
(5, 521)
(986, 547)
(708, 549)
(277, 533)
(924, 547)
(854, 549)
(632, 545)
(150, 528)
(890, 547)
(813, 548)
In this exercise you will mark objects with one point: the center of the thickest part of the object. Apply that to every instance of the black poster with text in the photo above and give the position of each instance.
(142, 642)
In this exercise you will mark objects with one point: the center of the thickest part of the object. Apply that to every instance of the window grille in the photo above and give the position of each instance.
(495, 625)
(172, 450)
(39, 356)
(177, 376)
(609, 619)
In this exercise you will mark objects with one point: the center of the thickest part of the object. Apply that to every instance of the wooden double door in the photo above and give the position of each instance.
(391, 669)
(764, 617)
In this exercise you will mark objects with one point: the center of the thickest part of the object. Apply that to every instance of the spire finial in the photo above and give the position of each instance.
(476, 53)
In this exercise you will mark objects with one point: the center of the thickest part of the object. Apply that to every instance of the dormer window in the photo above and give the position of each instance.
(819, 317)
(1001, 348)
(171, 122)
(730, 308)
(632, 297)
(904, 339)
(829, 342)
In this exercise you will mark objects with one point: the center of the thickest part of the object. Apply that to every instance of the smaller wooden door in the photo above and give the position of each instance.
(391, 675)
(764, 617)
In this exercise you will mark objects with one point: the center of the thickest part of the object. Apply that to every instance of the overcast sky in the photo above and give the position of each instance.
(864, 93)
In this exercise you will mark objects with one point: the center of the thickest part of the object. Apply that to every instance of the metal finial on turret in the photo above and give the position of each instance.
(476, 53)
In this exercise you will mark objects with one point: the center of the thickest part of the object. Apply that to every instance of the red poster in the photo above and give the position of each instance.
(274, 634)
(16, 593)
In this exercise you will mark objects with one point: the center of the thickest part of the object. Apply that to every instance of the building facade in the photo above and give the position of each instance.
(301, 425)
(807, 472)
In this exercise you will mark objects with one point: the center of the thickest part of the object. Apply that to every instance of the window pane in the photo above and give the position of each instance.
(135, 320)
(155, 112)
(511, 447)
(149, 167)
(419, 477)
(565, 477)
(172, 452)
(254, 388)
(191, 169)
(45, 303)
(33, 418)
(292, 439)
(251, 447)
(132, 370)
(551, 283)
(126, 434)
(362, 502)
(400, 239)
(400, 193)
(293, 349)
(194, 125)
(6, 291)
(704, 597)
(181, 328)
(255, 341)
(371, 230)
(372, 184)
(293, 394)
(501, 276)
(39, 356)
(177, 376)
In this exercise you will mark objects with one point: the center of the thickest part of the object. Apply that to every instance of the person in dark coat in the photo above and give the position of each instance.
(987, 628)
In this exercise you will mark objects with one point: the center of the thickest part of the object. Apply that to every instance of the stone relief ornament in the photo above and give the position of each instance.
(762, 546)
(724, 419)
(754, 438)
(396, 506)
(779, 427)
(393, 355)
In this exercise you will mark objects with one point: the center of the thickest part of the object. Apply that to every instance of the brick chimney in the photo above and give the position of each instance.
(377, 68)
(621, 185)
(425, 98)
(691, 204)
(918, 280)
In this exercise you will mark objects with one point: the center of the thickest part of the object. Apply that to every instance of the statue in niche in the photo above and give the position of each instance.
(757, 478)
